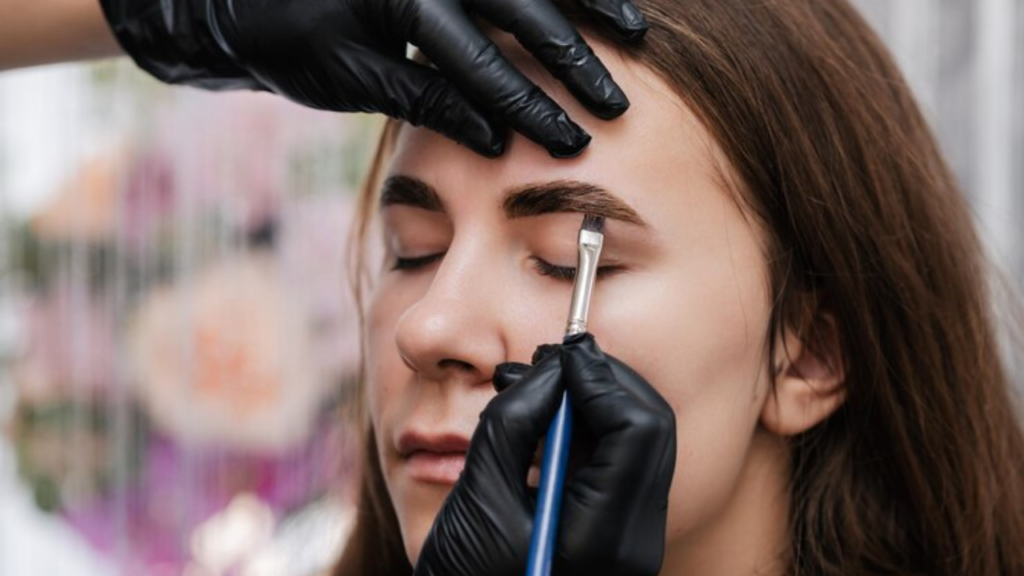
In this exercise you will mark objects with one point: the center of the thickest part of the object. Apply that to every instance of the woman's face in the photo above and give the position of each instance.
(467, 285)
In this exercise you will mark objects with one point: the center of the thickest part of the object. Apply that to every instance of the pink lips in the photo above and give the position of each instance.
(433, 458)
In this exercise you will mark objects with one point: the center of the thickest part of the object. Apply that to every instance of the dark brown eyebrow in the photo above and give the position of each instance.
(568, 196)
(408, 191)
(522, 202)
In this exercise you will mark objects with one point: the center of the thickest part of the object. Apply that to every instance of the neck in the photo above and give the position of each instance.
(750, 535)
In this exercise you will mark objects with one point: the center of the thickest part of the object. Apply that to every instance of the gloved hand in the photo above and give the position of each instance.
(350, 55)
(615, 503)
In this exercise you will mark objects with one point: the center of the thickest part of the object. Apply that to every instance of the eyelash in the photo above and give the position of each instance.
(415, 263)
(544, 268)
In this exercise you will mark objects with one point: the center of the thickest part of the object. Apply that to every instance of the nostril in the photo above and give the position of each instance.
(450, 363)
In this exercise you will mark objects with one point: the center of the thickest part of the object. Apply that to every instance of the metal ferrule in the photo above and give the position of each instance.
(586, 271)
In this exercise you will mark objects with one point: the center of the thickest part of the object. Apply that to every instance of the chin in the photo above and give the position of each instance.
(416, 513)
(414, 535)
(412, 551)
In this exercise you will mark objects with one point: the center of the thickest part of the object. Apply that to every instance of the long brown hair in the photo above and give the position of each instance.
(921, 471)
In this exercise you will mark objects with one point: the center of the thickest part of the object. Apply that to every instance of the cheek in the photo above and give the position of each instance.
(385, 370)
(389, 398)
(702, 346)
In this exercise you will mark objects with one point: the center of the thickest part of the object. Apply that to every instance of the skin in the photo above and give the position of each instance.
(48, 31)
(688, 310)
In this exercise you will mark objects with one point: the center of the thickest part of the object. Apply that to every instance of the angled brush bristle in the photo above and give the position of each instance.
(593, 223)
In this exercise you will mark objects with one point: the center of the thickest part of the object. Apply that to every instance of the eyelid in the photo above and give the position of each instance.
(415, 226)
(416, 262)
(568, 273)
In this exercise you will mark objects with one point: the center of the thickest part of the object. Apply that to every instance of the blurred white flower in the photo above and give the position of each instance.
(307, 542)
(225, 361)
(233, 535)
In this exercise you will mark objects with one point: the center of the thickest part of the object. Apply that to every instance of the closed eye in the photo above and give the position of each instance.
(566, 273)
(544, 268)
(417, 262)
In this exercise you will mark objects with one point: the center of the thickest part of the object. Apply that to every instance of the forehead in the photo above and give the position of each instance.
(654, 151)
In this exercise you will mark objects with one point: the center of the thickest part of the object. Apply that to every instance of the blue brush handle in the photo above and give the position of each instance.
(549, 496)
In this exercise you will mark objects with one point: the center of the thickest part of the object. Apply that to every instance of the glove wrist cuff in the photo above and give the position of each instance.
(172, 42)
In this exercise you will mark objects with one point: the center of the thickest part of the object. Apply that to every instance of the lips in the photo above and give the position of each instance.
(435, 458)
(412, 441)
(440, 458)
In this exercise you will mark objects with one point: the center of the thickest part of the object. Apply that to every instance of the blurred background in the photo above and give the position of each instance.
(176, 337)
(177, 345)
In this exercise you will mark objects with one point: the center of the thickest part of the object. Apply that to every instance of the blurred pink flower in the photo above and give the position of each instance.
(225, 360)
(148, 196)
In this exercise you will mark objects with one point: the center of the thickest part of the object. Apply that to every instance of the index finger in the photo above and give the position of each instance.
(470, 59)
(552, 39)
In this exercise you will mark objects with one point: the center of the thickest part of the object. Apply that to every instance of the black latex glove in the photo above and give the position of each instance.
(350, 55)
(615, 502)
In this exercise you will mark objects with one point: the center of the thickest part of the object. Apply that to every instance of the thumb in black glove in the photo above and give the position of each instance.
(614, 508)
(349, 55)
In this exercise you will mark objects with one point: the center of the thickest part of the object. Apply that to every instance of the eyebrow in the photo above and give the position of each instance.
(523, 201)
(409, 191)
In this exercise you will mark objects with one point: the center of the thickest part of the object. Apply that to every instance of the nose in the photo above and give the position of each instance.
(455, 331)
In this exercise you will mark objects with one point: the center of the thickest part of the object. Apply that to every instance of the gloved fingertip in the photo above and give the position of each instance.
(634, 25)
(543, 351)
(603, 97)
(563, 152)
(580, 350)
(622, 17)
(489, 144)
(485, 139)
(633, 35)
(448, 112)
(579, 340)
(508, 373)
(615, 104)
(566, 139)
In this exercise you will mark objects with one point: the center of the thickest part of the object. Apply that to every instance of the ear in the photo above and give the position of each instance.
(809, 378)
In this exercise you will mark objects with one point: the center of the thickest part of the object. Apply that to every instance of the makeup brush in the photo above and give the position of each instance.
(556, 445)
